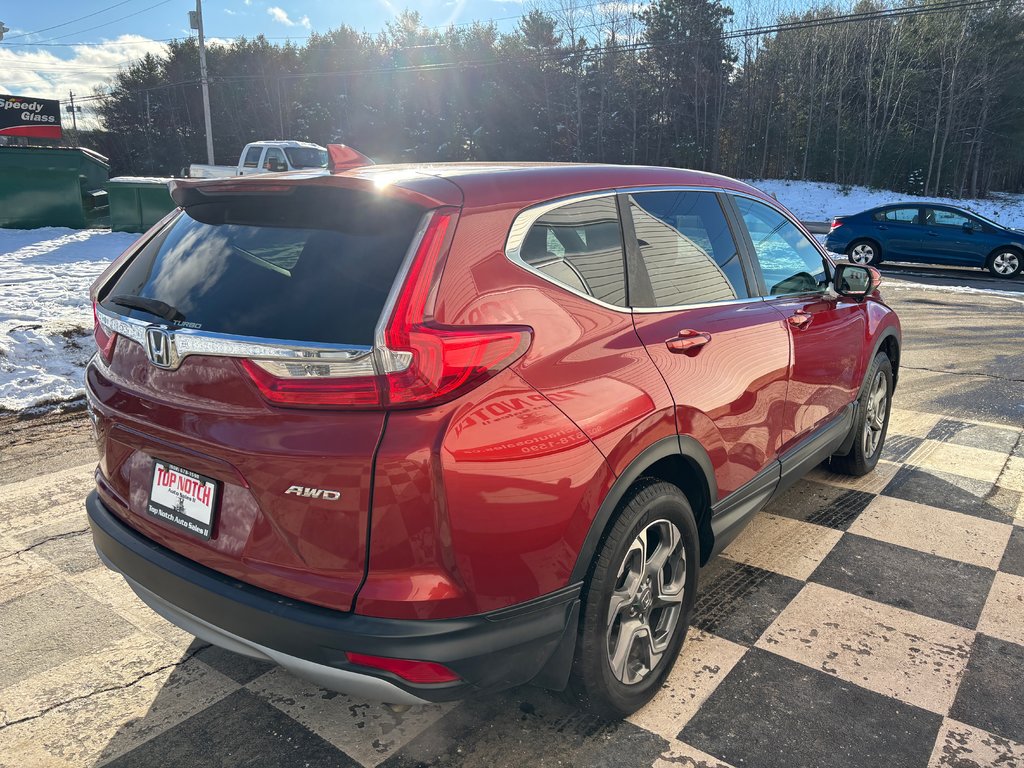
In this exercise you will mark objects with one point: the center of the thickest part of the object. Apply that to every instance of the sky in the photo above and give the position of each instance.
(58, 46)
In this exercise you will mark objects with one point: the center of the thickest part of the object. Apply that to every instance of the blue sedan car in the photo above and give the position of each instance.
(934, 234)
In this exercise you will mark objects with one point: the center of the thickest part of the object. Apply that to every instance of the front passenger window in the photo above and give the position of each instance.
(789, 261)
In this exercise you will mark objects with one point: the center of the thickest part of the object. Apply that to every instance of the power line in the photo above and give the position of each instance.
(891, 13)
(949, 5)
(65, 23)
(112, 21)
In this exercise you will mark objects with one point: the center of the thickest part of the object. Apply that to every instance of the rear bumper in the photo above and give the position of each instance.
(489, 652)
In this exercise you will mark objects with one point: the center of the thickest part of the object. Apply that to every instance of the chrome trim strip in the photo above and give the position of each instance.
(188, 341)
(704, 305)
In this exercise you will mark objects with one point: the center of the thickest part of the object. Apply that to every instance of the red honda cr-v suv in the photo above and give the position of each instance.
(414, 432)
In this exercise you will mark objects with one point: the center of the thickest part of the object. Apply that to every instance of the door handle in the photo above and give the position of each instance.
(881, 227)
(800, 319)
(688, 341)
(933, 234)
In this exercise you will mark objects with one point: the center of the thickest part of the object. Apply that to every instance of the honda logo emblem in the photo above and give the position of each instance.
(160, 347)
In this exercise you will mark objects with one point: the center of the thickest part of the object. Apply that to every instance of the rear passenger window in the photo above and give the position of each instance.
(580, 246)
(789, 261)
(687, 248)
(252, 157)
(899, 215)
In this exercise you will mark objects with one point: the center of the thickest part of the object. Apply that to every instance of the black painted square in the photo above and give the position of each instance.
(1013, 556)
(530, 728)
(991, 695)
(959, 494)
(239, 730)
(739, 602)
(908, 579)
(771, 712)
(986, 437)
(821, 504)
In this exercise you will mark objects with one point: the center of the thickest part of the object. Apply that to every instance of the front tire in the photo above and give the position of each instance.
(638, 602)
(1005, 263)
(864, 252)
(871, 422)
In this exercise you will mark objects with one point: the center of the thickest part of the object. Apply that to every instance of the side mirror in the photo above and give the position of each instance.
(856, 281)
(969, 227)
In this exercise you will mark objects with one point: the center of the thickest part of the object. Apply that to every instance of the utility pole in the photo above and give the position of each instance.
(195, 19)
(74, 116)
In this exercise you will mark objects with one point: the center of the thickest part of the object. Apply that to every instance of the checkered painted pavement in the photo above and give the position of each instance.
(868, 622)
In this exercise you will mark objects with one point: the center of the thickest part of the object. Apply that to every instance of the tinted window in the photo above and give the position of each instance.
(789, 261)
(306, 157)
(899, 215)
(252, 157)
(580, 245)
(274, 159)
(945, 218)
(687, 248)
(315, 265)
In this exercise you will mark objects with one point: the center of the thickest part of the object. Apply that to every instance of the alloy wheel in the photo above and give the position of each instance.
(646, 602)
(1006, 263)
(874, 421)
(862, 254)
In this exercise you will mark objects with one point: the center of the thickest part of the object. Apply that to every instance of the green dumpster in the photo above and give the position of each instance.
(51, 187)
(137, 203)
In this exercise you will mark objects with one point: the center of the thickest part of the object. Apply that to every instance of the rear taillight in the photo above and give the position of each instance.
(423, 672)
(836, 223)
(415, 361)
(105, 338)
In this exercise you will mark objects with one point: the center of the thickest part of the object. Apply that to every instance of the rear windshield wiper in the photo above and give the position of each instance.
(153, 306)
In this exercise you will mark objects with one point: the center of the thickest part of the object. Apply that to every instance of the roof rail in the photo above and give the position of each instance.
(342, 157)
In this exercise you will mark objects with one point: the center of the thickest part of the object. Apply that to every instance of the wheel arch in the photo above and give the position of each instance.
(890, 344)
(679, 460)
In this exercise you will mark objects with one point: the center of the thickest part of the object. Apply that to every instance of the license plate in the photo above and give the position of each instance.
(183, 498)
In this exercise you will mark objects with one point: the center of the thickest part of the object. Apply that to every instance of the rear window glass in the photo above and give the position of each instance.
(314, 265)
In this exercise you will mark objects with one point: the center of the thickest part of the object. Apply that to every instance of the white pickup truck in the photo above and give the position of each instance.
(266, 157)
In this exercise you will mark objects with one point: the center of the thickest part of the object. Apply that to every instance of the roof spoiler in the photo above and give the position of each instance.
(342, 157)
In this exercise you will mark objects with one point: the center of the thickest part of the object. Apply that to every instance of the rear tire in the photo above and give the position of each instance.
(637, 602)
(1005, 263)
(864, 252)
(871, 422)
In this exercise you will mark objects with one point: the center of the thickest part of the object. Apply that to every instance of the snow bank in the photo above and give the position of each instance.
(818, 201)
(45, 315)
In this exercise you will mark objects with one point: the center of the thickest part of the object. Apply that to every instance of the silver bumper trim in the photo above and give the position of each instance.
(341, 680)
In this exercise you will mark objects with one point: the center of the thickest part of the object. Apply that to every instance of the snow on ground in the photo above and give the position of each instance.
(45, 314)
(819, 201)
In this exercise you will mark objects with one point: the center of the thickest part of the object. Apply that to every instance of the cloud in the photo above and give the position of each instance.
(281, 16)
(43, 74)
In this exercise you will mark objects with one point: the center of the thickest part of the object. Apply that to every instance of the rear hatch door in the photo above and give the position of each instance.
(184, 431)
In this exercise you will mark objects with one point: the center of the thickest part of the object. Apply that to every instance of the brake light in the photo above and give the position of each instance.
(105, 339)
(836, 223)
(424, 672)
(416, 361)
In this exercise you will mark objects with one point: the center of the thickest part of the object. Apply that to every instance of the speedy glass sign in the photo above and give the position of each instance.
(29, 116)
